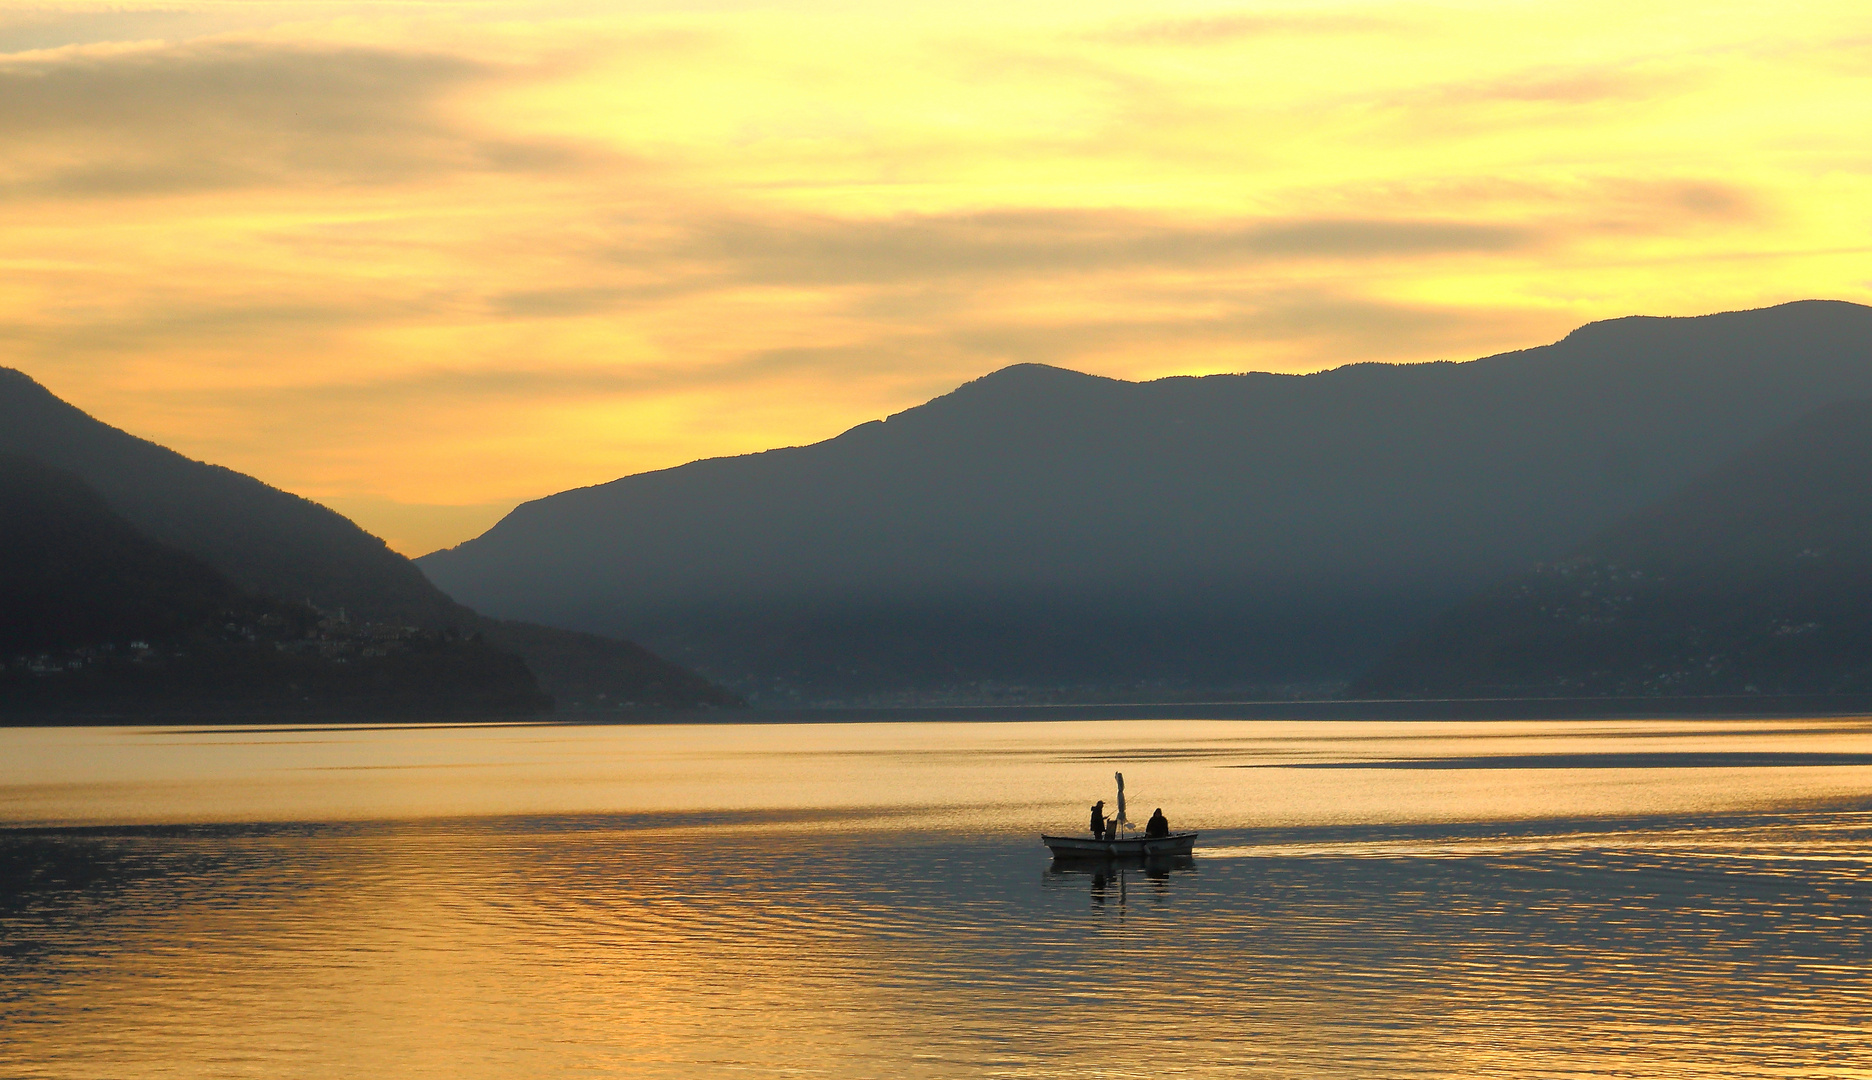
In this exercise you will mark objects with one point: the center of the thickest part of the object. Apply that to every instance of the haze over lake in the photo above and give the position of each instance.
(1640, 898)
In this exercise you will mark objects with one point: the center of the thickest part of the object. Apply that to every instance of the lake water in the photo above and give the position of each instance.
(1607, 898)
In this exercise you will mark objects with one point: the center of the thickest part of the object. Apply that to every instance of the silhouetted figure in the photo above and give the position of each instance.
(1157, 826)
(1098, 820)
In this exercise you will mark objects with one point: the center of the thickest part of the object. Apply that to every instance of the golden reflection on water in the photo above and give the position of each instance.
(869, 900)
(997, 777)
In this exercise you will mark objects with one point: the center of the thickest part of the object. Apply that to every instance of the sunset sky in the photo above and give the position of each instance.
(421, 261)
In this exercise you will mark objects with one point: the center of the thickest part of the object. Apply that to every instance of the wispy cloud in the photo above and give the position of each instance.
(109, 121)
(1550, 86)
(40, 28)
(1220, 29)
(827, 250)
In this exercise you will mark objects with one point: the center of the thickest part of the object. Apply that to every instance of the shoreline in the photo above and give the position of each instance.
(1710, 707)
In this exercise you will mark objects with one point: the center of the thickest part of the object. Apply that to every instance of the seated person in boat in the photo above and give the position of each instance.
(1157, 826)
(1098, 820)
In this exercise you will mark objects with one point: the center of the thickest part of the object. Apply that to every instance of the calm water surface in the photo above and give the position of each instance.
(1641, 899)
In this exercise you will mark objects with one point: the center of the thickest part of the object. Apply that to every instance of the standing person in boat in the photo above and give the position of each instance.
(1158, 825)
(1098, 820)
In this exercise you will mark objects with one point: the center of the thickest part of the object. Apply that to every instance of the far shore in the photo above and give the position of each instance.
(1716, 707)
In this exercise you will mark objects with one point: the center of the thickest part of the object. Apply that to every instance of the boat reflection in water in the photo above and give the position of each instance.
(1110, 879)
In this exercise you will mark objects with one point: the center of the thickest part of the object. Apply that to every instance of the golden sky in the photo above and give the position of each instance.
(424, 260)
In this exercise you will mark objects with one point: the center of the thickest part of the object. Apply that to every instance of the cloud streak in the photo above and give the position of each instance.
(112, 121)
(1212, 30)
(831, 250)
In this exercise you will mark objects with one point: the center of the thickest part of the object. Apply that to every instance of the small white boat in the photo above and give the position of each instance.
(1176, 845)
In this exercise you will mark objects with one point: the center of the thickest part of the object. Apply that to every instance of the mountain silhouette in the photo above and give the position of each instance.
(1250, 533)
(1756, 578)
(73, 573)
(274, 544)
(103, 622)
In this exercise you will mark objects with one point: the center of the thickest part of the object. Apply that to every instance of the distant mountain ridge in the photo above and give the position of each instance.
(1231, 534)
(275, 544)
(1754, 579)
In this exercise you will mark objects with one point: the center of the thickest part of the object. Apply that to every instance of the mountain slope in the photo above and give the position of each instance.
(102, 620)
(1755, 578)
(264, 539)
(1228, 533)
(276, 544)
(72, 573)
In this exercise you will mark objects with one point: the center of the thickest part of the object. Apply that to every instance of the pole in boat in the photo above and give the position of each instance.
(1121, 814)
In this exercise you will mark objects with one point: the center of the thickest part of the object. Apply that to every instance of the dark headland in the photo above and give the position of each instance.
(103, 621)
(249, 601)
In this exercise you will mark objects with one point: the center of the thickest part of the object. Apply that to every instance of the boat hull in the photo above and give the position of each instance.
(1131, 847)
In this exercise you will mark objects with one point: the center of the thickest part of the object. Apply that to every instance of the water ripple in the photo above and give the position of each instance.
(876, 939)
